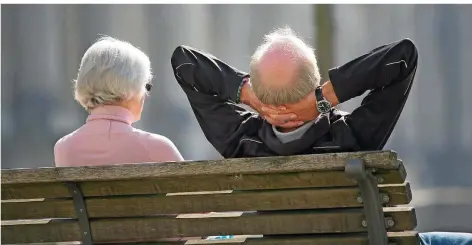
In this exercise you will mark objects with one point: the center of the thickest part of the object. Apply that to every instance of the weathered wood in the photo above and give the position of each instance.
(34, 190)
(39, 231)
(38, 209)
(144, 205)
(150, 228)
(237, 201)
(262, 165)
(399, 238)
(201, 183)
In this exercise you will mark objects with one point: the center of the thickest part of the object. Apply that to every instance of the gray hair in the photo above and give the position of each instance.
(111, 71)
(308, 77)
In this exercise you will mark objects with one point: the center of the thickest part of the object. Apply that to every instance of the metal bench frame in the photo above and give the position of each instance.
(372, 202)
(81, 211)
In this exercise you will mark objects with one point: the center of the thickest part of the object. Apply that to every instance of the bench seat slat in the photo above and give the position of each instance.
(38, 209)
(399, 238)
(39, 231)
(132, 206)
(190, 184)
(149, 228)
(260, 165)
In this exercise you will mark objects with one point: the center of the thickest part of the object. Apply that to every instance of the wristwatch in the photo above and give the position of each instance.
(322, 104)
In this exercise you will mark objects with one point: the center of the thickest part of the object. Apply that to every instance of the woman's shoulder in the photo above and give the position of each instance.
(64, 146)
(66, 139)
(158, 145)
(147, 136)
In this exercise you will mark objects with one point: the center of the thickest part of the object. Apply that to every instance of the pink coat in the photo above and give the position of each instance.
(108, 138)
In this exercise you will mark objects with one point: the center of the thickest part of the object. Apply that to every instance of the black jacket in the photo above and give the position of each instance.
(212, 87)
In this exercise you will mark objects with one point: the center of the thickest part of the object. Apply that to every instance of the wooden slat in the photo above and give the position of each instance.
(34, 190)
(237, 201)
(262, 165)
(151, 228)
(38, 209)
(39, 231)
(190, 184)
(144, 205)
(399, 238)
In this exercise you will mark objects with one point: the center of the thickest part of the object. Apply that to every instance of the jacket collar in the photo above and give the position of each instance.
(109, 112)
(319, 128)
(339, 139)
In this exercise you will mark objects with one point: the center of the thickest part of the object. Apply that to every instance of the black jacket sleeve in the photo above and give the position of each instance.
(387, 72)
(212, 88)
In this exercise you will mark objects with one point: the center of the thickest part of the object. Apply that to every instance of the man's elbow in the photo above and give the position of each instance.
(179, 56)
(410, 51)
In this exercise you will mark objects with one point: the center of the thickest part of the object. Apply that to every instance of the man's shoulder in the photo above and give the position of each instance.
(337, 115)
(337, 112)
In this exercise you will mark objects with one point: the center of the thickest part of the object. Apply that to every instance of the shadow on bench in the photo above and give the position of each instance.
(328, 199)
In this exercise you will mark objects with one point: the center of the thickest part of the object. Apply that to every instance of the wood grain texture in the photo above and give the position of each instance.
(38, 232)
(195, 183)
(38, 209)
(262, 165)
(145, 205)
(150, 228)
(399, 238)
(34, 190)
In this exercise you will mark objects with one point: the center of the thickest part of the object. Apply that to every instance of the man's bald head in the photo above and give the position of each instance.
(283, 69)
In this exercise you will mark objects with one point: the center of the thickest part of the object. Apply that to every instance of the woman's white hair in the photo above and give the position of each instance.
(111, 71)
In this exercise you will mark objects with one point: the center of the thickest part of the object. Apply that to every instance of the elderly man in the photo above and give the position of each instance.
(284, 87)
(297, 115)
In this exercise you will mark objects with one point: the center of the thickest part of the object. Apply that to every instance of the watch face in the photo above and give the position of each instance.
(324, 106)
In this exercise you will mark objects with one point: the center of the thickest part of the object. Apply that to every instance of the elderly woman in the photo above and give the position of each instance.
(112, 84)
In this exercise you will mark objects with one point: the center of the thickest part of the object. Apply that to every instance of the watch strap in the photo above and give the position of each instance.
(319, 94)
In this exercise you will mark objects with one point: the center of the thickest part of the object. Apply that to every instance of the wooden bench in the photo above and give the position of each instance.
(328, 199)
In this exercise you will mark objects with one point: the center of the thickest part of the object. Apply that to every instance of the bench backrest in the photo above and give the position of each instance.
(299, 199)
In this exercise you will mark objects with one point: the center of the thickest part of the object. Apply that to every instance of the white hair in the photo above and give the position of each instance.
(308, 77)
(111, 71)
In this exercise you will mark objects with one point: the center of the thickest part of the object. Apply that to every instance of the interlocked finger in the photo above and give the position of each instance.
(284, 124)
(282, 117)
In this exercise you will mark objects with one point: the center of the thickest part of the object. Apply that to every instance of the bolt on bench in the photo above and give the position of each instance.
(326, 199)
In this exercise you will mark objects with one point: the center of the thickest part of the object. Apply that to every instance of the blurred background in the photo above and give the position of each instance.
(41, 48)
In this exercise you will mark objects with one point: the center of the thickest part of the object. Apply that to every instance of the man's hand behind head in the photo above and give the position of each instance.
(306, 109)
(275, 115)
(280, 117)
